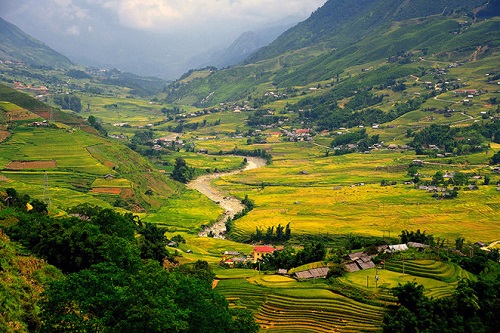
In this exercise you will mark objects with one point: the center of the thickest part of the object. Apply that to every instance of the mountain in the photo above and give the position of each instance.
(15, 45)
(344, 34)
(341, 22)
(245, 45)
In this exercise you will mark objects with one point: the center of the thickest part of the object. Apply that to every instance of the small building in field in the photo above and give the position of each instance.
(260, 251)
(313, 273)
(418, 246)
(397, 248)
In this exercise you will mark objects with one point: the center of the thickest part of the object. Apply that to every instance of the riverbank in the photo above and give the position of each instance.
(229, 204)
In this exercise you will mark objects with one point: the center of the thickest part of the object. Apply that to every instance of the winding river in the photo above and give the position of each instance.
(229, 204)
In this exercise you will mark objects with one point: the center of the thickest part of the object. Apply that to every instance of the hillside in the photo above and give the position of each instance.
(341, 22)
(375, 123)
(17, 46)
(340, 36)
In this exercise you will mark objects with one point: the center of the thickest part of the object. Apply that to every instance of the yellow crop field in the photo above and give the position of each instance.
(338, 195)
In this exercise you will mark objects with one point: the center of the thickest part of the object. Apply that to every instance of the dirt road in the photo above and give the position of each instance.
(229, 204)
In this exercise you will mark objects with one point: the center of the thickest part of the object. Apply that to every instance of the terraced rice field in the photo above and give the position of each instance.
(338, 195)
(284, 306)
(325, 312)
(353, 303)
(438, 278)
(438, 270)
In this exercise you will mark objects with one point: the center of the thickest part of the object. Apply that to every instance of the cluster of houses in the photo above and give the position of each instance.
(353, 262)
(298, 134)
(275, 95)
(230, 258)
(40, 124)
(159, 143)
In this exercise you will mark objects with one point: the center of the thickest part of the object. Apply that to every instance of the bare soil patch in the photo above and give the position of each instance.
(107, 190)
(110, 164)
(127, 193)
(23, 165)
(4, 135)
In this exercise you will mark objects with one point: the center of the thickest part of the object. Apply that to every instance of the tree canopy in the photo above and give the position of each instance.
(113, 279)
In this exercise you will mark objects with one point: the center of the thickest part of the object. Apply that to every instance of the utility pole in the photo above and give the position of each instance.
(403, 263)
(46, 190)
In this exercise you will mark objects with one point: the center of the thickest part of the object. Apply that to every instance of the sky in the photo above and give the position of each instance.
(151, 37)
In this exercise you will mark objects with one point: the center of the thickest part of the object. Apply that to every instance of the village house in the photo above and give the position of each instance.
(359, 261)
(397, 248)
(313, 273)
(260, 251)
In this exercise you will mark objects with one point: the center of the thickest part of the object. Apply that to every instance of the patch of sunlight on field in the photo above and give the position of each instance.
(67, 149)
(119, 182)
(60, 198)
(225, 145)
(214, 246)
(234, 273)
(203, 161)
(370, 209)
(389, 279)
(118, 110)
(188, 211)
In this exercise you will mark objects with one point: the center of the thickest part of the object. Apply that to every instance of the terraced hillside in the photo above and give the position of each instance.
(305, 307)
(355, 302)
(438, 270)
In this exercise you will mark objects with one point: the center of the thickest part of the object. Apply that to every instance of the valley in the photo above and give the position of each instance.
(325, 151)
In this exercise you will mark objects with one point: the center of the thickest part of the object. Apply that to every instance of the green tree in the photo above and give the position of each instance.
(152, 242)
(410, 295)
(403, 321)
(460, 178)
(182, 172)
(39, 207)
(108, 299)
(495, 159)
(438, 178)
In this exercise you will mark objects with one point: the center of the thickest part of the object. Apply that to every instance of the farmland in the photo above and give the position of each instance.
(377, 146)
(78, 162)
(282, 304)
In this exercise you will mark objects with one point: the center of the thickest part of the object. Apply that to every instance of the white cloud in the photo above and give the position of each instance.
(162, 15)
(73, 30)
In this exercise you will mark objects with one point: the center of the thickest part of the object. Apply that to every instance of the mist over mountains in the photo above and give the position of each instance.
(163, 39)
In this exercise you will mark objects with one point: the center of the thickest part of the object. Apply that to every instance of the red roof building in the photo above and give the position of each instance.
(259, 251)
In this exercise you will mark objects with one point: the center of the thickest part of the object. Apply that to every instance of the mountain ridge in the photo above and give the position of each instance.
(16, 45)
(327, 23)
(453, 31)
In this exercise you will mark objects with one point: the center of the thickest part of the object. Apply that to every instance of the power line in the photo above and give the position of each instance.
(46, 190)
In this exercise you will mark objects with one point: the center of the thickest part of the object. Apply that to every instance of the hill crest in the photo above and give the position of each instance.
(15, 45)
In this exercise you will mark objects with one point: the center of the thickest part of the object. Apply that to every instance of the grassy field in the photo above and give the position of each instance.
(111, 110)
(186, 212)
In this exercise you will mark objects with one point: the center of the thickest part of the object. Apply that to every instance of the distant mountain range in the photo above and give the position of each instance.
(15, 45)
(245, 45)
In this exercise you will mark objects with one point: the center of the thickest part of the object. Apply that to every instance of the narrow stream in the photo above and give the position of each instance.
(229, 204)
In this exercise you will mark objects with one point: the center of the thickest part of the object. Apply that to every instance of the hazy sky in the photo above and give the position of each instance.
(128, 33)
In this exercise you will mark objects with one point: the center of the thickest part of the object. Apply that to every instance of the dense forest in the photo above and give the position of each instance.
(106, 273)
